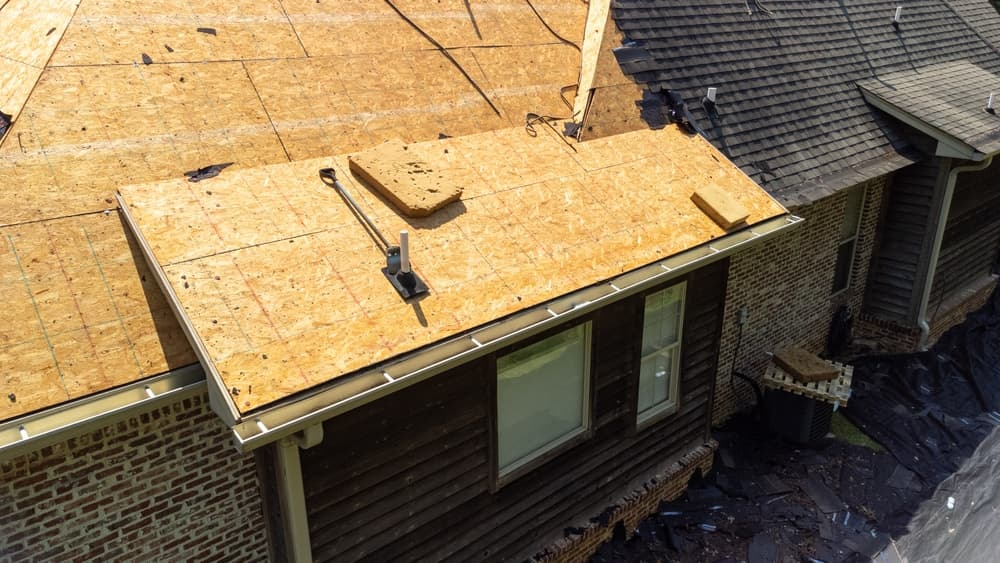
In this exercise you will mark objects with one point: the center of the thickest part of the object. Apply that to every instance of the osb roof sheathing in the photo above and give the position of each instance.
(245, 81)
(282, 284)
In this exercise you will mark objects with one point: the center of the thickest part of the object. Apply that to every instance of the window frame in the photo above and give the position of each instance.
(501, 477)
(665, 409)
(852, 240)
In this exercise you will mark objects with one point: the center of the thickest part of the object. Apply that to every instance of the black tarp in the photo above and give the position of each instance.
(931, 410)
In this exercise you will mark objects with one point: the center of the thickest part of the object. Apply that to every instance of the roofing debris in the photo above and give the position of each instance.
(5, 121)
(206, 172)
(934, 487)
(415, 187)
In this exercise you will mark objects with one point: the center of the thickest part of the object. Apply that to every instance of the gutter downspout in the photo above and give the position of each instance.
(291, 492)
(922, 321)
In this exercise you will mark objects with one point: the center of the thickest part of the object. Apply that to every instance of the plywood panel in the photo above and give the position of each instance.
(529, 78)
(99, 118)
(86, 132)
(282, 311)
(29, 33)
(79, 314)
(120, 31)
(355, 27)
(333, 105)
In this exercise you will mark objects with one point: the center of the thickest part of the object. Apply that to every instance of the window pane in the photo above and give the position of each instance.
(852, 214)
(656, 379)
(541, 394)
(842, 275)
(661, 324)
(661, 335)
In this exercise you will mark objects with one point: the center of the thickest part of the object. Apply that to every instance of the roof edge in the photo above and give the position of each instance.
(287, 418)
(948, 145)
(815, 189)
(218, 396)
(43, 428)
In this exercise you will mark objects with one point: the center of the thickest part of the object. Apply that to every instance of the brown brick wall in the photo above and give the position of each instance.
(945, 320)
(896, 337)
(165, 485)
(632, 508)
(786, 284)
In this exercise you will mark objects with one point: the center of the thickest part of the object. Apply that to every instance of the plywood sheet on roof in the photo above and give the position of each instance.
(93, 124)
(79, 313)
(331, 105)
(120, 31)
(355, 27)
(86, 132)
(613, 106)
(613, 110)
(29, 32)
(293, 298)
(529, 78)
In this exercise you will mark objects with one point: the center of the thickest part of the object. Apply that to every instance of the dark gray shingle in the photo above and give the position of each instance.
(950, 97)
(791, 114)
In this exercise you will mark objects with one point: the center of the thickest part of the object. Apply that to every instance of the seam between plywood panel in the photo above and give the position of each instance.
(38, 314)
(294, 30)
(114, 304)
(264, 107)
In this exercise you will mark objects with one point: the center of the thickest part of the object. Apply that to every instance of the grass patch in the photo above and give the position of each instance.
(844, 430)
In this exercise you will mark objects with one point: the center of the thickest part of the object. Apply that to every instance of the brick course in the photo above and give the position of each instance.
(632, 508)
(786, 285)
(163, 485)
(896, 337)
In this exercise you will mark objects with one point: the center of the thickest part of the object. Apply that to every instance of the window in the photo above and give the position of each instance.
(848, 239)
(659, 367)
(543, 397)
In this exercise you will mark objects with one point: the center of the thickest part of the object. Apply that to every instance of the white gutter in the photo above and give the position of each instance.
(33, 431)
(277, 422)
(922, 321)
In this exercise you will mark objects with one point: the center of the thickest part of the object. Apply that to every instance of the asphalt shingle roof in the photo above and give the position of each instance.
(790, 114)
(950, 97)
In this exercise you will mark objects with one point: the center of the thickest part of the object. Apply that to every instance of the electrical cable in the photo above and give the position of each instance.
(758, 392)
(447, 55)
(548, 27)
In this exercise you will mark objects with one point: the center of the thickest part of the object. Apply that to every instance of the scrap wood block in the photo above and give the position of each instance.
(415, 187)
(720, 206)
(804, 366)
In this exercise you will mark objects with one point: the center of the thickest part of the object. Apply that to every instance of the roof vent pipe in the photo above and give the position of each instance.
(404, 252)
(989, 104)
(899, 15)
(710, 95)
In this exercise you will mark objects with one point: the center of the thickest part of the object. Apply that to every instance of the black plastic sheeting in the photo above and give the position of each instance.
(931, 410)
(767, 500)
(961, 522)
(938, 414)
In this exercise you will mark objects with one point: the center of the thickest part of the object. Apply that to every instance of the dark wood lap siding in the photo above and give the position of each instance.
(972, 237)
(894, 277)
(407, 477)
